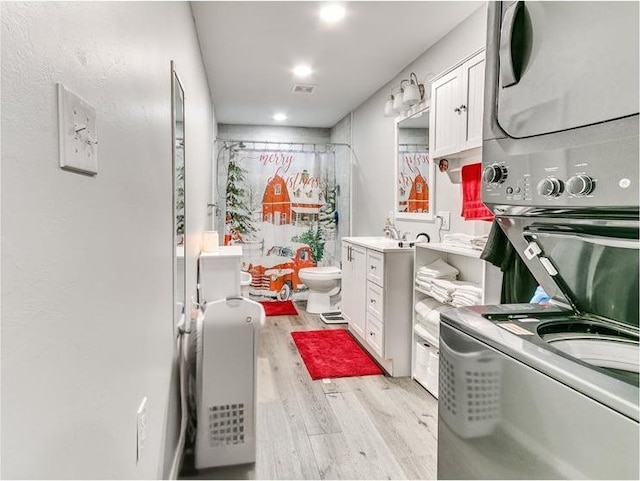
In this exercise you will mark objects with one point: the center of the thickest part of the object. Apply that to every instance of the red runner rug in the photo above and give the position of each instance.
(279, 308)
(333, 353)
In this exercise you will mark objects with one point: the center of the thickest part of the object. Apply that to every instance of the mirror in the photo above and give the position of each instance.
(177, 131)
(415, 174)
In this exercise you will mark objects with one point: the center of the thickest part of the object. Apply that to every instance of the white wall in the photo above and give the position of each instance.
(373, 142)
(87, 327)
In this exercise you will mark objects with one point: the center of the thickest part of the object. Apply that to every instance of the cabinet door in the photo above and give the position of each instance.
(473, 102)
(445, 114)
(354, 286)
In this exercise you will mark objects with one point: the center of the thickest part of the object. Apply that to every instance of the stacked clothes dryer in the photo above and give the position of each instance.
(531, 391)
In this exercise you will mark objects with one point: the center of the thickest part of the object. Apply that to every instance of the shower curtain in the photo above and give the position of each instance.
(281, 207)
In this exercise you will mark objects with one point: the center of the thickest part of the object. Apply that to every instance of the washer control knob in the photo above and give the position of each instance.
(550, 187)
(494, 174)
(580, 185)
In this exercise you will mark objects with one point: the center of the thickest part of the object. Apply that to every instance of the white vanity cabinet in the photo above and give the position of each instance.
(425, 355)
(456, 109)
(377, 300)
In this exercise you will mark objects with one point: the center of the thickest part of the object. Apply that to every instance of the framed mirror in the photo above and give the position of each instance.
(415, 173)
(179, 225)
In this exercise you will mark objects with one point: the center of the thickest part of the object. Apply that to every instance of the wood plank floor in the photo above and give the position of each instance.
(370, 427)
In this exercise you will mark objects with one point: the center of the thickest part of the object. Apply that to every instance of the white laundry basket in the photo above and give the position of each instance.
(226, 350)
(469, 391)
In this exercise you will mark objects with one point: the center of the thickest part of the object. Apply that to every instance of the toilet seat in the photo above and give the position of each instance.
(321, 271)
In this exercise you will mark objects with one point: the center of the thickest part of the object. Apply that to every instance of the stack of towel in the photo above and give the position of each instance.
(467, 241)
(467, 295)
(438, 279)
(428, 315)
(438, 269)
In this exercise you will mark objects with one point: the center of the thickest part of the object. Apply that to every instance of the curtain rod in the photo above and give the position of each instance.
(282, 143)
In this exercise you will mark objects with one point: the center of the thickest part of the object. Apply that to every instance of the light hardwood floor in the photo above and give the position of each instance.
(369, 427)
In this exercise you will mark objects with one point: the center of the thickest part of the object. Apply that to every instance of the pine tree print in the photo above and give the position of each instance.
(238, 214)
(327, 215)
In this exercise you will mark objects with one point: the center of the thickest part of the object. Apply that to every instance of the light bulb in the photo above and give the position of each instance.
(332, 13)
(388, 107)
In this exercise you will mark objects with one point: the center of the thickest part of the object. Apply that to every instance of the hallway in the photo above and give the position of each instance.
(371, 427)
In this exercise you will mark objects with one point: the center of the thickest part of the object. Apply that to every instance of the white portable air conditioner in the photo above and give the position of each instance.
(227, 343)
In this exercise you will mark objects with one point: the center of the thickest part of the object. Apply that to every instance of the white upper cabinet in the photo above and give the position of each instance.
(456, 109)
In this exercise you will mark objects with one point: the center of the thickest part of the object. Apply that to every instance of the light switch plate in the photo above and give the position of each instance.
(78, 137)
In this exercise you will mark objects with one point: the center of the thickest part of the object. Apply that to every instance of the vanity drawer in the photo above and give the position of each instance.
(375, 300)
(375, 267)
(374, 334)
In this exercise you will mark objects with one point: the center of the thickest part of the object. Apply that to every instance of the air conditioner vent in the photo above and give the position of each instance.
(303, 88)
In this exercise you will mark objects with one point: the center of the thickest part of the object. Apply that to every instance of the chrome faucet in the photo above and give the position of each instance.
(391, 232)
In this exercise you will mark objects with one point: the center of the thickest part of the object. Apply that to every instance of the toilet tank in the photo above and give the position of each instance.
(219, 273)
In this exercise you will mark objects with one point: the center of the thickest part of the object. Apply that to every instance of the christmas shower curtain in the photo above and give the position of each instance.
(281, 206)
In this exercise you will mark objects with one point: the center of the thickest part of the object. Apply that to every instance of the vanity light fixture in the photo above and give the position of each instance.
(280, 117)
(411, 92)
(332, 13)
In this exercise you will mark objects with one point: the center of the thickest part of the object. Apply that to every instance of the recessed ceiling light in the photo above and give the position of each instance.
(302, 71)
(279, 117)
(332, 13)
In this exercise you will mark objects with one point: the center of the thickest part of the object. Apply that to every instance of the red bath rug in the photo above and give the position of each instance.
(331, 353)
(279, 308)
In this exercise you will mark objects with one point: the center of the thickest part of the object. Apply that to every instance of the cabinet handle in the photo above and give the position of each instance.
(372, 301)
(463, 108)
(457, 110)
(373, 268)
(372, 334)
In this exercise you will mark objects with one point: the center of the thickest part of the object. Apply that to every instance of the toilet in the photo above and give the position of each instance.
(323, 282)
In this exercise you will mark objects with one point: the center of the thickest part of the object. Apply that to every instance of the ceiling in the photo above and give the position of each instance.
(250, 48)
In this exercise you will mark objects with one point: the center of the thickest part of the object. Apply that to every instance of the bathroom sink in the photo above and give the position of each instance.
(380, 242)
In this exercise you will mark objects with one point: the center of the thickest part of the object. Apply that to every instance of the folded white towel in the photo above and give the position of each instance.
(445, 285)
(461, 303)
(424, 285)
(427, 305)
(433, 317)
(438, 268)
(469, 297)
(444, 298)
(471, 288)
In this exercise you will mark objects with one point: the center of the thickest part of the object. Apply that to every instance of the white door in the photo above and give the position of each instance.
(353, 286)
(445, 114)
(348, 283)
(473, 102)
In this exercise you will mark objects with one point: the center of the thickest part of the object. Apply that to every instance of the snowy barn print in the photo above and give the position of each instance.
(412, 182)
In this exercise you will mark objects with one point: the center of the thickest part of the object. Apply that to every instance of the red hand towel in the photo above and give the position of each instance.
(472, 206)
